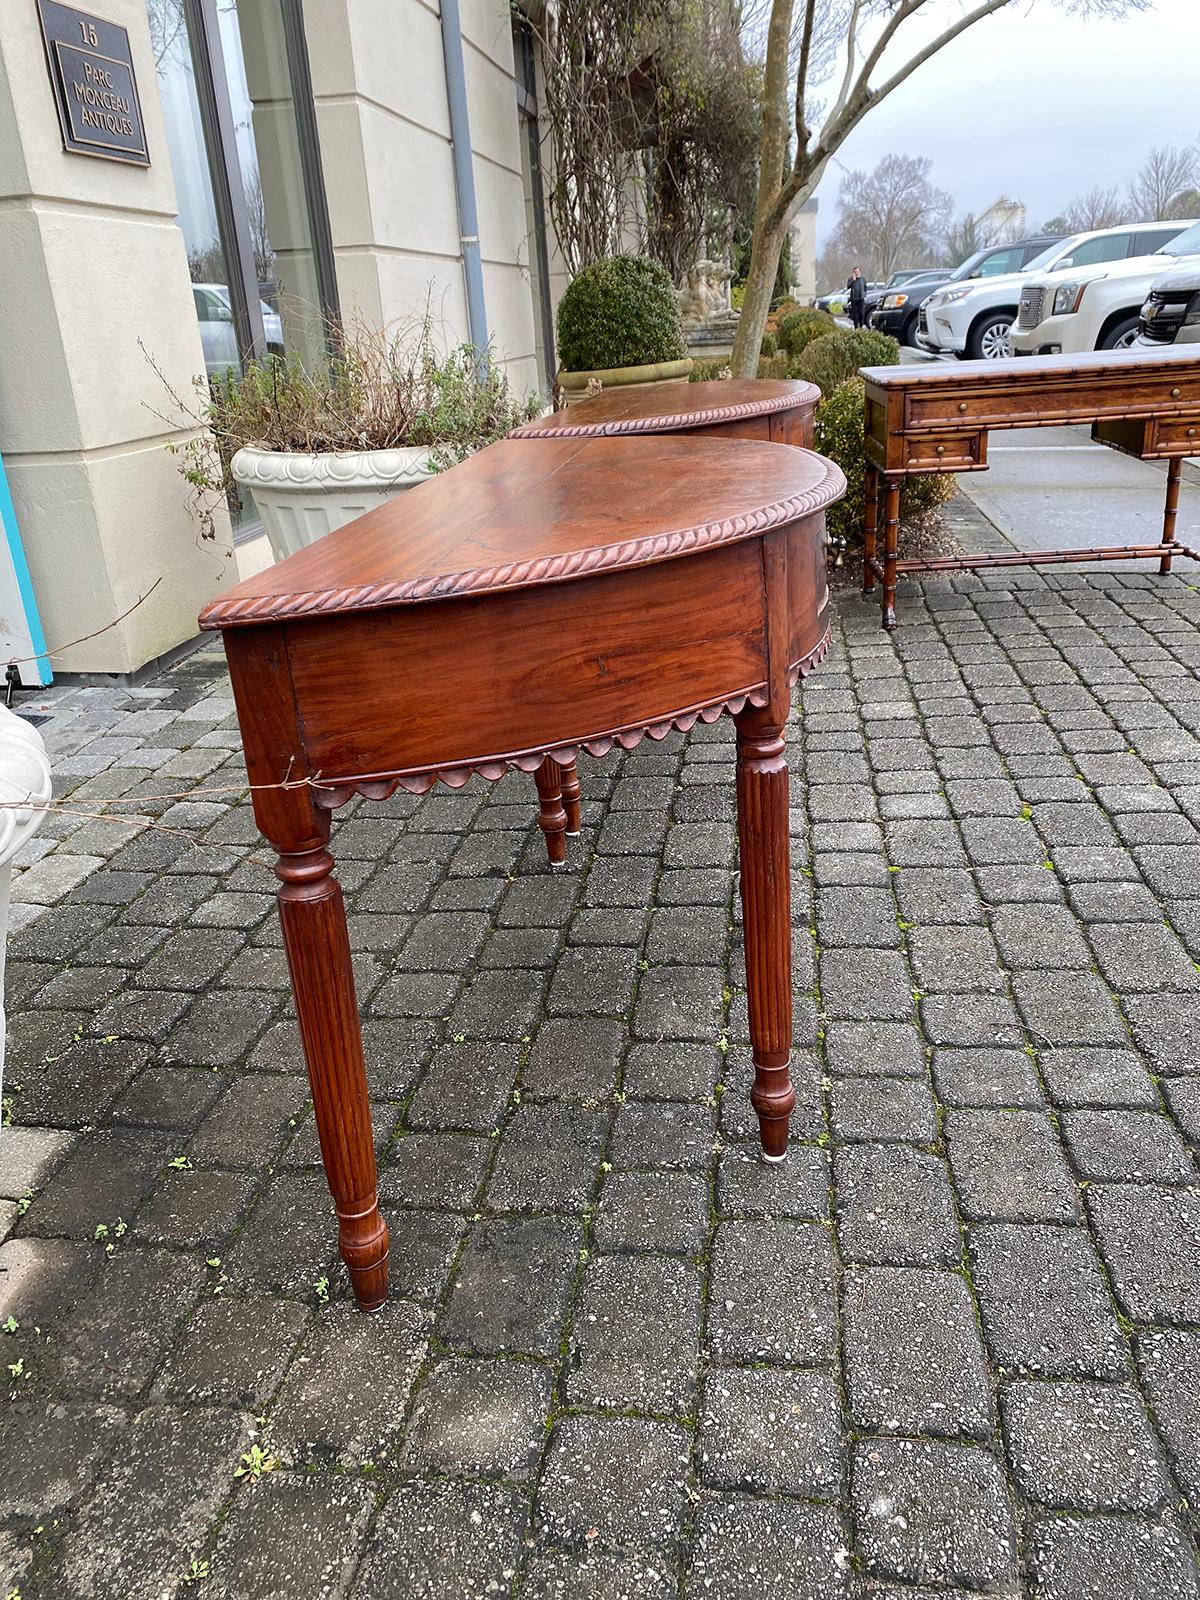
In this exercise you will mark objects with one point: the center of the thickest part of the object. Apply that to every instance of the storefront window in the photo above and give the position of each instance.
(241, 131)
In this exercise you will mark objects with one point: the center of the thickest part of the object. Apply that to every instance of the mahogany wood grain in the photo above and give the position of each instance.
(544, 597)
(937, 418)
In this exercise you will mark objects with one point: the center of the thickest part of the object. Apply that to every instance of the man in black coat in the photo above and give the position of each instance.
(857, 288)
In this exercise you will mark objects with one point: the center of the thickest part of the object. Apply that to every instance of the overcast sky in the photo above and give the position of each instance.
(1034, 105)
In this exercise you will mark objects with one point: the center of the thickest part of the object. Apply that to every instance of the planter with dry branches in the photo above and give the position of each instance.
(317, 446)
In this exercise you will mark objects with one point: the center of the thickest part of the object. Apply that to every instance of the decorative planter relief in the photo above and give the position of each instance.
(301, 498)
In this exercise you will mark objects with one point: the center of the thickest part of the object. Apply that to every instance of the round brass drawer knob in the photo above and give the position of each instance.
(962, 405)
(941, 450)
(1191, 433)
(1175, 393)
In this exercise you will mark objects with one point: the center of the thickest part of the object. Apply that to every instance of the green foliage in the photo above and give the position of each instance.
(255, 1464)
(833, 358)
(769, 346)
(800, 326)
(839, 435)
(619, 312)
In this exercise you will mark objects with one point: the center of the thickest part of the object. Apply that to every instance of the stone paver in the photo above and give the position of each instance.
(950, 1347)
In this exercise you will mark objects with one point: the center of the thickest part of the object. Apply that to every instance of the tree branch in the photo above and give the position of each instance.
(806, 39)
(863, 97)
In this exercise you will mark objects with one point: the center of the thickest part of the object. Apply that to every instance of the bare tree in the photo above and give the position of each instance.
(806, 41)
(168, 27)
(891, 217)
(652, 115)
(1158, 189)
(1098, 208)
(260, 233)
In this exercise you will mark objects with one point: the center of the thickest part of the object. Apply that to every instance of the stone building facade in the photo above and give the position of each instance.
(300, 162)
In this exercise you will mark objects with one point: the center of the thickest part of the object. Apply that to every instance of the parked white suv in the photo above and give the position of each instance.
(1066, 312)
(973, 320)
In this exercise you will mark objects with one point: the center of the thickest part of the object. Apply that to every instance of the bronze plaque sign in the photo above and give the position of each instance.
(95, 91)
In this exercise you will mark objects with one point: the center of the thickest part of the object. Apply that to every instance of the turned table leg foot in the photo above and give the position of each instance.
(552, 817)
(571, 795)
(313, 916)
(762, 800)
(1170, 511)
(891, 542)
(870, 524)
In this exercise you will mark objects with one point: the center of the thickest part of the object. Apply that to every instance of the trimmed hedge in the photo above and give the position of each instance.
(834, 358)
(801, 326)
(620, 312)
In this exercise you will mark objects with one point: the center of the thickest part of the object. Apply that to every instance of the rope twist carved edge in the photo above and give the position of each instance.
(523, 574)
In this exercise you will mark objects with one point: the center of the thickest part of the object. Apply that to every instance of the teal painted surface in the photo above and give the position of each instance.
(36, 671)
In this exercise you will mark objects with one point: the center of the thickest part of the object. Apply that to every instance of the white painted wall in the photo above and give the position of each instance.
(380, 90)
(92, 262)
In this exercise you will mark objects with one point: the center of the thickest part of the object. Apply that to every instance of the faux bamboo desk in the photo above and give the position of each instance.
(753, 408)
(936, 418)
(541, 598)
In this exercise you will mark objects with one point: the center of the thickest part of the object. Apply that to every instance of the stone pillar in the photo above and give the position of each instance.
(92, 264)
(380, 89)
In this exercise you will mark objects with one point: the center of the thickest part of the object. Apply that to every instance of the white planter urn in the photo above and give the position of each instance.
(24, 792)
(301, 498)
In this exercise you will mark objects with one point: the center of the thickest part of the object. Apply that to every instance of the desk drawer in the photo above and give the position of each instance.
(1178, 436)
(946, 451)
(1008, 400)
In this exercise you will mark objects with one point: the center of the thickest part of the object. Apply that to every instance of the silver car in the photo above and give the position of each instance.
(218, 335)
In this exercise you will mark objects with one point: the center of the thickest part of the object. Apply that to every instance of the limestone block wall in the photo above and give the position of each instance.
(384, 124)
(92, 264)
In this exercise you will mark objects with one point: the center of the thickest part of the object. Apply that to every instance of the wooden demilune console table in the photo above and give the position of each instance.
(754, 408)
(543, 597)
(936, 418)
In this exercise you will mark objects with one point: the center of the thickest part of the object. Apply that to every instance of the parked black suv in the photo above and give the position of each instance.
(877, 293)
(899, 312)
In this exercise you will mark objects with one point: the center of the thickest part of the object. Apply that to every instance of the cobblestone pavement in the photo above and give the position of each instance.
(951, 1347)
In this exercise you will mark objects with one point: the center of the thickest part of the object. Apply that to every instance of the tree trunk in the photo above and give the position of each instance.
(760, 285)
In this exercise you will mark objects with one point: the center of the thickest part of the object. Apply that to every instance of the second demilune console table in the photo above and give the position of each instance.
(936, 418)
(778, 410)
(543, 597)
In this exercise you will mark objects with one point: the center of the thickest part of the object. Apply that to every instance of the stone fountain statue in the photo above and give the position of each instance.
(709, 321)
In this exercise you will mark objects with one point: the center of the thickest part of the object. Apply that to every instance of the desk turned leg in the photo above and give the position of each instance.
(313, 915)
(571, 795)
(1171, 509)
(870, 524)
(891, 542)
(762, 796)
(552, 818)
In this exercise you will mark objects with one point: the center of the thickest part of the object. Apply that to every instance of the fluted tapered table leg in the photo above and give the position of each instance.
(552, 818)
(762, 799)
(313, 915)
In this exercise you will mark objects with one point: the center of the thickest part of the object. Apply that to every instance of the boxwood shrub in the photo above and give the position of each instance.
(839, 435)
(831, 359)
(619, 312)
(799, 327)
